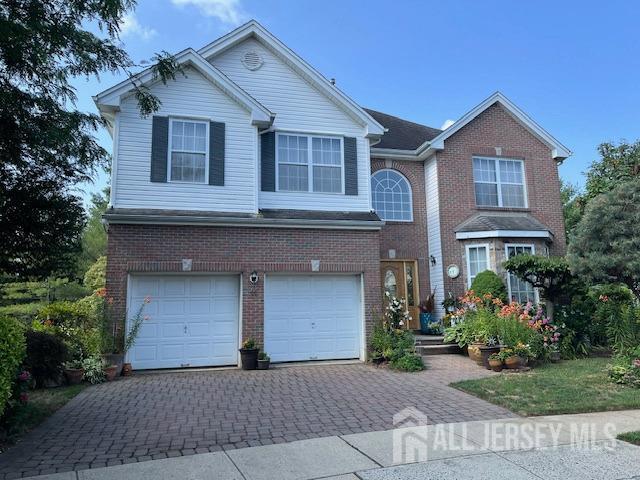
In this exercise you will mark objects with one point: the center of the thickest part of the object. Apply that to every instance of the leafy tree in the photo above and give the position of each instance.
(607, 240)
(95, 277)
(619, 163)
(94, 237)
(46, 145)
(551, 275)
(572, 207)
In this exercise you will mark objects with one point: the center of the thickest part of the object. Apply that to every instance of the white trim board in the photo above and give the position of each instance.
(504, 233)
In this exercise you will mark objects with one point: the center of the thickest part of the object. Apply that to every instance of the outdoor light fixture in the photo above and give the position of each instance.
(253, 277)
(433, 259)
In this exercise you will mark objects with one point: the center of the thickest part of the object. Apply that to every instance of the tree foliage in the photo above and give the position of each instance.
(46, 145)
(94, 236)
(572, 207)
(607, 240)
(619, 163)
(551, 275)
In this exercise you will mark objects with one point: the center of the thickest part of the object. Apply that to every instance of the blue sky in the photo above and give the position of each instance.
(574, 66)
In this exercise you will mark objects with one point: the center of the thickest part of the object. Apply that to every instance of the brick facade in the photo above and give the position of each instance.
(408, 239)
(161, 248)
(494, 129)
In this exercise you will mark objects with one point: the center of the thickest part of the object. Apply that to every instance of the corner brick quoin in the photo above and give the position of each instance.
(239, 250)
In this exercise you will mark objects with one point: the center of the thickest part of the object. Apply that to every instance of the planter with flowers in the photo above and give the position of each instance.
(249, 354)
(496, 362)
(74, 372)
(263, 361)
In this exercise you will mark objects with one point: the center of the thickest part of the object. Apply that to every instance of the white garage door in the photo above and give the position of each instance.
(193, 321)
(312, 317)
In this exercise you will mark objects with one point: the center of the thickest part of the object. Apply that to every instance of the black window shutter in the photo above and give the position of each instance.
(159, 148)
(268, 161)
(216, 153)
(350, 166)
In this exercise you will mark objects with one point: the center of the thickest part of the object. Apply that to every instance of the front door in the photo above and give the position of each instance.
(400, 279)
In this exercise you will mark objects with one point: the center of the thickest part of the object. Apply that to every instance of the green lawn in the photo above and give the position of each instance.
(572, 386)
(42, 403)
(631, 437)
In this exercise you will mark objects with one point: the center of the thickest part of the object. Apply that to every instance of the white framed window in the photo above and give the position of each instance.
(188, 150)
(477, 261)
(309, 163)
(499, 182)
(391, 196)
(519, 290)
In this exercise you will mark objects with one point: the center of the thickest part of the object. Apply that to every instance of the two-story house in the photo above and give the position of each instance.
(261, 201)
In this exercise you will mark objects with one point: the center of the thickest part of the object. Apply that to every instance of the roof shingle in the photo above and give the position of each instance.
(402, 134)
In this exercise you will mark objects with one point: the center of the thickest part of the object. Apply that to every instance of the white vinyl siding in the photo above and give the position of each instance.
(499, 182)
(302, 110)
(436, 272)
(391, 196)
(188, 151)
(196, 98)
(519, 290)
(477, 261)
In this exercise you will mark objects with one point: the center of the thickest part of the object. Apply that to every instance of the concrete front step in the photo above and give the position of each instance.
(429, 339)
(437, 349)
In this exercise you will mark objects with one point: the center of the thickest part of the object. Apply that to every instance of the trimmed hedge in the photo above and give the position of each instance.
(489, 282)
(12, 352)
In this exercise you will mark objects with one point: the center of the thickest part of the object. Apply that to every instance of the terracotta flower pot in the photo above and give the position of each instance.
(485, 352)
(473, 350)
(512, 362)
(110, 372)
(127, 370)
(74, 375)
(496, 365)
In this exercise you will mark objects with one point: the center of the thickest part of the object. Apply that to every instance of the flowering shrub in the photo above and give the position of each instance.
(489, 320)
(136, 323)
(396, 314)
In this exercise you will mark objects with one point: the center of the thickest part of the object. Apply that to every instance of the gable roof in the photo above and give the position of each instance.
(109, 100)
(402, 134)
(253, 29)
(432, 145)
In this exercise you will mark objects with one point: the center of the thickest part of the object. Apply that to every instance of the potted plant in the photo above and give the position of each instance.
(495, 362)
(554, 354)
(73, 371)
(523, 352)
(510, 358)
(110, 372)
(426, 315)
(132, 335)
(489, 348)
(263, 361)
(249, 354)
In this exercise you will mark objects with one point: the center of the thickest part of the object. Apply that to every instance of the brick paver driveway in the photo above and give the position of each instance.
(170, 414)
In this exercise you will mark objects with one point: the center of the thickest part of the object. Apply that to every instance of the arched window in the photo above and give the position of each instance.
(391, 196)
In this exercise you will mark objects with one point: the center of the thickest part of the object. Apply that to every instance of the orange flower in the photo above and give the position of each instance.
(101, 292)
(147, 299)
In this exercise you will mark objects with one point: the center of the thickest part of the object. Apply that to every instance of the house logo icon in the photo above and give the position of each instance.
(410, 436)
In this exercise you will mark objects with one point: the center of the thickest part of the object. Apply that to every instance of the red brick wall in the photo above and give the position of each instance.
(495, 128)
(408, 239)
(161, 248)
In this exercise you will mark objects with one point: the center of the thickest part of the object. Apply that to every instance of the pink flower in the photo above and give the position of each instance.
(24, 397)
(636, 363)
(147, 299)
(24, 376)
(545, 321)
(147, 317)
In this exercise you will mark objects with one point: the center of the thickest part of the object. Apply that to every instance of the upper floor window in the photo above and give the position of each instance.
(309, 164)
(188, 150)
(499, 183)
(391, 196)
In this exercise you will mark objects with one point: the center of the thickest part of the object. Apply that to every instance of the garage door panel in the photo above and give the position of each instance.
(305, 315)
(193, 320)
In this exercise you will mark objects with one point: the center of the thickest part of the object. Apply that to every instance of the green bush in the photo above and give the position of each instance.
(390, 344)
(95, 277)
(72, 314)
(45, 355)
(93, 370)
(12, 351)
(409, 362)
(489, 282)
(22, 312)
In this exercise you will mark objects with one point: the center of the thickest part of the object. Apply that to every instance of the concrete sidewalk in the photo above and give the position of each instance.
(565, 446)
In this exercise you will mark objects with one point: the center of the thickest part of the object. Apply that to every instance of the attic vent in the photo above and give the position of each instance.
(252, 60)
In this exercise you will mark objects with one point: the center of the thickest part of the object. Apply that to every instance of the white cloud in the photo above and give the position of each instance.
(447, 124)
(131, 28)
(227, 11)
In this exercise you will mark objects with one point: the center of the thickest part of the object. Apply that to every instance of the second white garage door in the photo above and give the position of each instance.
(312, 317)
(192, 320)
